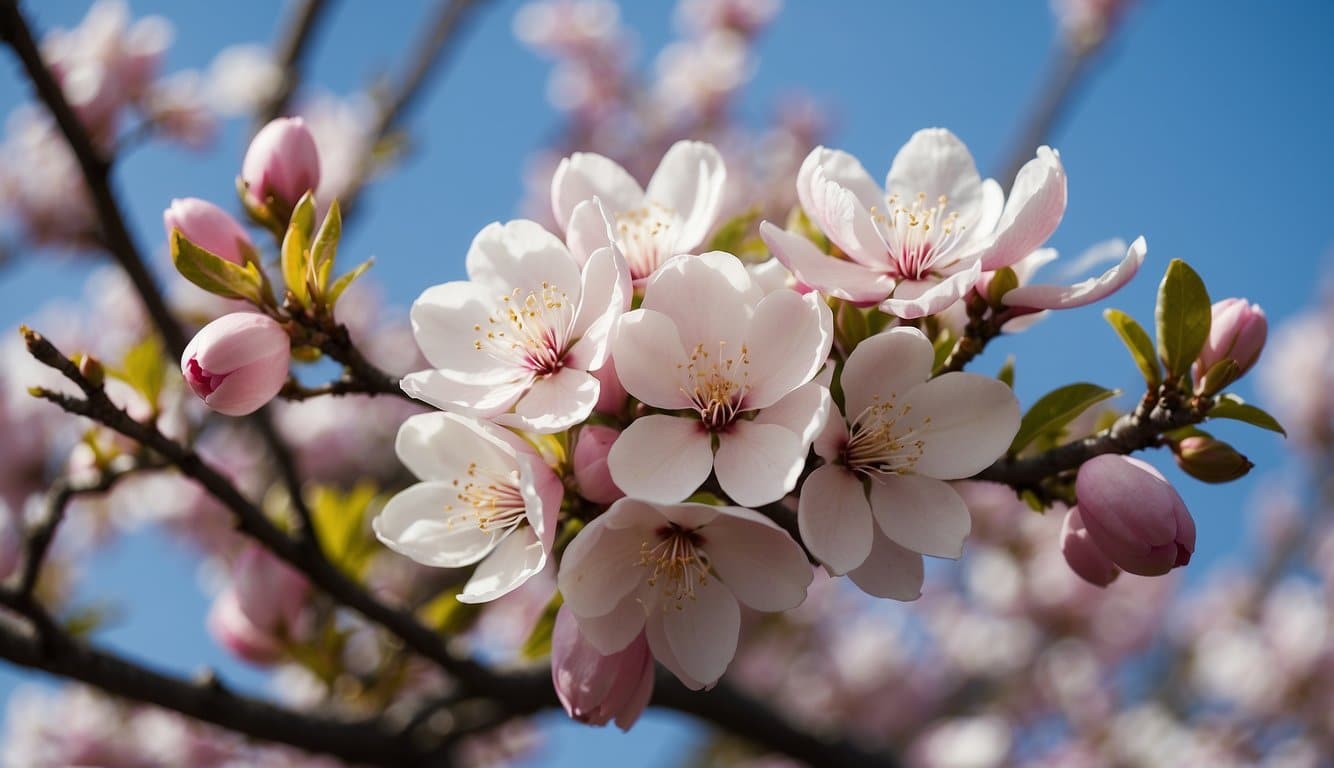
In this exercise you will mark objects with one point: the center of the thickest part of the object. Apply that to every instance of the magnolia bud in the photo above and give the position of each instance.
(594, 688)
(1236, 332)
(1134, 515)
(590, 464)
(1210, 460)
(282, 163)
(238, 362)
(1082, 555)
(209, 227)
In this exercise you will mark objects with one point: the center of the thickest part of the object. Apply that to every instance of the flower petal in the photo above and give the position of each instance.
(758, 463)
(710, 298)
(803, 412)
(1033, 211)
(585, 175)
(847, 221)
(788, 342)
(554, 403)
(834, 518)
(885, 366)
(847, 280)
(521, 254)
(442, 446)
(935, 162)
(649, 359)
(1081, 293)
(661, 458)
(606, 294)
(972, 421)
(481, 400)
(890, 571)
(661, 647)
(844, 170)
(913, 299)
(443, 319)
(758, 561)
(414, 523)
(516, 559)
(689, 181)
(589, 229)
(613, 631)
(703, 632)
(921, 513)
(600, 568)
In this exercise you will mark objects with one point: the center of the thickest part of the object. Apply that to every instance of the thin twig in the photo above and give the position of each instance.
(290, 53)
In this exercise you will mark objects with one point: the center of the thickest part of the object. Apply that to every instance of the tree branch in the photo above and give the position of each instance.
(289, 53)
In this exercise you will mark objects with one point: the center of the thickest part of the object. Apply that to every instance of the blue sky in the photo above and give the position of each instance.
(1206, 128)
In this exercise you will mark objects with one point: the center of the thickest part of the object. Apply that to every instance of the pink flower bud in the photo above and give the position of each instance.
(1236, 332)
(238, 362)
(1134, 515)
(1210, 460)
(590, 464)
(232, 630)
(1082, 555)
(594, 688)
(282, 163)
(209, 227)
(262, 610)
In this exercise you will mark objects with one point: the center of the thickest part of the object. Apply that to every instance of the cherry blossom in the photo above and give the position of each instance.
(676, 572)
(518, 341)
(486, 497)
(880, 501)
(709, 346)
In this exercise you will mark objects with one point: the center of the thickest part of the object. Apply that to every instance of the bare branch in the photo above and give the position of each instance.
(289, 53)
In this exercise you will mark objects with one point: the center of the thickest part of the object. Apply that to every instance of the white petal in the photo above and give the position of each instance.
(442, 446)
(606, 295)
(600, 567)
(554, 403)
(803, 412)
(935, 162)
(414, 523)
(972, 421)
(613, 631)
(842, 169)
(911, 302)
(480, 400)
(890, 571)
(650, 359)
(758, 561)
(847, 221)
(831, 440)
(661, 647)
(1033, 211)
(789, 341)
(661, 458)
(515, 560)
(884, 366)
(583, 176)
(689, 180)
(443, 318)
(521, 254)
(703, 633)
(1082, 293)
(709, 297)
(834, 518)
(921, 513)
(846, 280)
(589, 229)
(757, 463)
(543, 492)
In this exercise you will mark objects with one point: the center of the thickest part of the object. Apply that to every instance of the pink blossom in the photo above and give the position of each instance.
(1134, 515)
(1037, 297)
(590, 464)
(1237, 332)
(263, 609)
(708, 345)
(238, 362)
(281, 163)
(675, 573)
(209, 227)
(1082, 555)
(596, 688)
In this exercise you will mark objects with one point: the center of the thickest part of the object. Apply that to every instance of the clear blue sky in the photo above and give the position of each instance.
(1206, 128)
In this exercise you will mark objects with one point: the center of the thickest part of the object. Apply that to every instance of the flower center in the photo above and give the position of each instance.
(528, 330)
(489, 500)
(716, 384)
(919, 236)
(647, 237)
(880, 444)
(677, 563)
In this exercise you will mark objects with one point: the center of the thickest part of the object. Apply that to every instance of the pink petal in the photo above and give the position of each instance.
(757, 463)
(920, 513)
(650, 359)
(703, 633)
(415, 523)
(543, 492)
(758, 561)
(1082, 293)
(890, 571)
(443, 319)
(480, 400)
(935, 162)
(913, 301)
(662, 651)
(833, 438)
(803, 412)
(1035, 208)
(515, 560)
(689, 180)
(846, 280)
(789, 341)
(661, 458)
(583, 176)
(972, 421)
(554, 403)
(844, 170)
(614, 630)
(709, 297)
(846, 221)
(835, 518)
(885, 366)
(600, 568)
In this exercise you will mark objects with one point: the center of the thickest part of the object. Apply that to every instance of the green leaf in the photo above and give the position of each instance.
(943, 346)
(343, 282)
(734, 232)
(1138, 343)
(145, 369)
(1056, 409)
(1002, 282)
(538, 644)
(296, 248)
(1182, 316)
(340, 525)
(1229, 406)
(325, 248)
(1006, 373)
(214, 273)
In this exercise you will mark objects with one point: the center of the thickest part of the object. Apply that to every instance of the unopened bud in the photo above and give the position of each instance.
(238, 362)
(91, 369)
(1134, 515)
(281, 164)
(209, 227)
(590, 464)
(1210, 460)
(1082, 555)
(1237, 332)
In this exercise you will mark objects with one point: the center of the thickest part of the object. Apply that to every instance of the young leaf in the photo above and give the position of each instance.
(296, 247)
(325, 247)
(214, 273)
(538, 644)
(447, 615)
(145, 369)
(1182, 315)
(1056, 409)
(1139, 344)
(344, 281)
(734, 232)
(340, 525)
(1006, 373)
(1002, 282)
(1230, 406)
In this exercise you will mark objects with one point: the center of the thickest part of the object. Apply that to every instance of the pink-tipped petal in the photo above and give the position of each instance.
(1035, 208)
(846, 280)
(921, 514)
(1081, 293)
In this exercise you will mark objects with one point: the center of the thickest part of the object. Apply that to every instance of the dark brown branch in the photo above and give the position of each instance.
(983, 326)
(364, 742)
(290, 53)
(361, 376)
